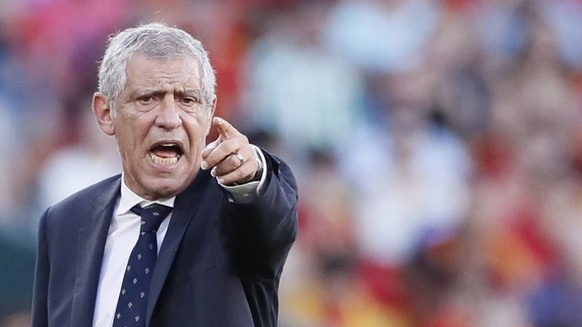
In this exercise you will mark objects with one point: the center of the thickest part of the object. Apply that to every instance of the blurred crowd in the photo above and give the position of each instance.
(437, 146)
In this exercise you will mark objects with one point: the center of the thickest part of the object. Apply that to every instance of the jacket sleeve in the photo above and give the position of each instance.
(261, 233)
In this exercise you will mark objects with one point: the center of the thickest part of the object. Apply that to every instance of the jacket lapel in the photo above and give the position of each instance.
(91, 239)
(185, 207)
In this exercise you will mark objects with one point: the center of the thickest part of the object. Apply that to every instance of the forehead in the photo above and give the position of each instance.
(182, 71)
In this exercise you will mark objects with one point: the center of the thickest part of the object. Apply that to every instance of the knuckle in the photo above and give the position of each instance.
(228, 148)
(234, 160)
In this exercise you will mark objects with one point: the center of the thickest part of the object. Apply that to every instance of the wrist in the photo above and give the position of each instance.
(259, 172)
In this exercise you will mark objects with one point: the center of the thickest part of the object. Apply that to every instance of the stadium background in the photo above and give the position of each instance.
(437, 146)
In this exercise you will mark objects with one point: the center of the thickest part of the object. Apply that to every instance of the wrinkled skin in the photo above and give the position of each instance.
(161, 121)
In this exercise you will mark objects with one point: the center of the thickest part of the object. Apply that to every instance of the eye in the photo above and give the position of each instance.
(145, 100)
(190, 101)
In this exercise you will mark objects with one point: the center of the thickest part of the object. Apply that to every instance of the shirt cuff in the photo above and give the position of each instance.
(248, 192)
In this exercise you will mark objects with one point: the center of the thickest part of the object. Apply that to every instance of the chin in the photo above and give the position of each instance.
(155, 188)
(171, 186)
(163, 191)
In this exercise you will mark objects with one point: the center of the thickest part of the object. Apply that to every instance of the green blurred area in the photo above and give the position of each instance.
(17, 261)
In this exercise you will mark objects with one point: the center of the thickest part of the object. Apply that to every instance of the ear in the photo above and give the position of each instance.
(103, 114)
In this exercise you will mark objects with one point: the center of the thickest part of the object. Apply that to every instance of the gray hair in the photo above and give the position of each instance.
(155, 40)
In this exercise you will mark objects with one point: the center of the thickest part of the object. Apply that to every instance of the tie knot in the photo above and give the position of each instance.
(151, 216)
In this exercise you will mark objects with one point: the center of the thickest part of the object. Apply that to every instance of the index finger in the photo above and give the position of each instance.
(225, 129)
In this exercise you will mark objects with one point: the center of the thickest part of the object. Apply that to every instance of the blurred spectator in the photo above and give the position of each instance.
(437, 145)
(309, 98)
(8, 146)
(565, 18)
(536, 120)
(381, 36)
(410, 175)
(76, 166)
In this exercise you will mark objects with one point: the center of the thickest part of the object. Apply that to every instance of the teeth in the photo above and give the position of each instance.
(164, 161)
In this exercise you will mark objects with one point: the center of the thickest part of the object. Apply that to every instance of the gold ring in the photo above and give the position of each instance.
(240, 158)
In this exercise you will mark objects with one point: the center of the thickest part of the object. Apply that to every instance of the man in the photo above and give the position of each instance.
(222, 248)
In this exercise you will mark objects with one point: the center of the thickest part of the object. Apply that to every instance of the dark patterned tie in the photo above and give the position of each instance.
(132, 303)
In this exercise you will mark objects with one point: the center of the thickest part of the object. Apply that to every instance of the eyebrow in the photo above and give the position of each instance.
(156, 92)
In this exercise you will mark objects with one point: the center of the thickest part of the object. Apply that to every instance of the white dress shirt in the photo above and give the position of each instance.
(123, 234)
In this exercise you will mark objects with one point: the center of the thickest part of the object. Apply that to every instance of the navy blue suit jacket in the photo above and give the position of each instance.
(219, 264)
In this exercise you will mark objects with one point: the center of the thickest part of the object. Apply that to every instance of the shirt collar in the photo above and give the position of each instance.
(129, 199)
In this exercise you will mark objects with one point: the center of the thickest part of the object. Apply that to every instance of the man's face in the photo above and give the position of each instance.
(161, 124)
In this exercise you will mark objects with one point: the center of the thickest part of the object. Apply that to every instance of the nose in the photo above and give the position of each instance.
(168, 115)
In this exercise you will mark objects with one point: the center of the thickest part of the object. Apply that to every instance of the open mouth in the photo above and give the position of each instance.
(166, 153)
